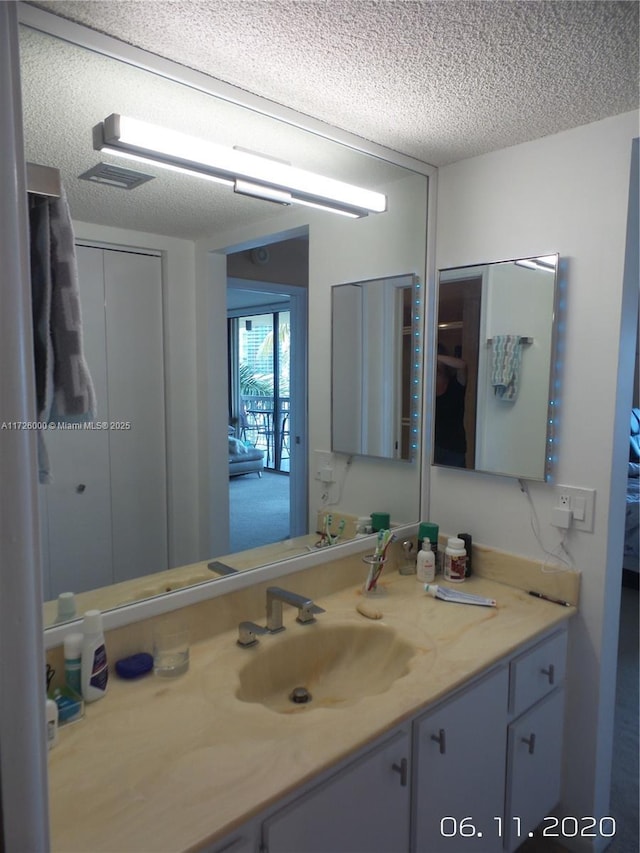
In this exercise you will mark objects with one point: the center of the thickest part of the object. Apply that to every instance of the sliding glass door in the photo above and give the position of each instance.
(261, 408)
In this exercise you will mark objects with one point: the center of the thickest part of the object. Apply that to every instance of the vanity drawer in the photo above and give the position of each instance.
(537, 672)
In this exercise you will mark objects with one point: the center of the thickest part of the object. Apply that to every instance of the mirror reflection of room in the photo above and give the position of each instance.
(190, 229)
(497, 328)
(374, 367)
(266, 327)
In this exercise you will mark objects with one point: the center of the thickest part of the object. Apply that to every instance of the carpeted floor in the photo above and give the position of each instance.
(258, 510)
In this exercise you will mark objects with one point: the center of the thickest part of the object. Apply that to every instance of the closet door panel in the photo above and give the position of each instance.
(135, 359)
(76, 504)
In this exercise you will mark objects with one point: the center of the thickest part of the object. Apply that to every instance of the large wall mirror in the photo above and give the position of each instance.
(178, 232)
(495, 354)
(374, 328)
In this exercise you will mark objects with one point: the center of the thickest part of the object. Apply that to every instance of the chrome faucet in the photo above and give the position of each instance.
(221, 568)
(247, 634)
(276, 596)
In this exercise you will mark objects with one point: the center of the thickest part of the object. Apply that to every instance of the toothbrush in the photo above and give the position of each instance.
(385, 537)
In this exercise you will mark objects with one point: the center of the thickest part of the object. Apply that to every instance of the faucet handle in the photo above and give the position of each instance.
(306, 613)
(247, 634)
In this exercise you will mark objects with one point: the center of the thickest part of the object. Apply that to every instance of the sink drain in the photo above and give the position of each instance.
(300, 695)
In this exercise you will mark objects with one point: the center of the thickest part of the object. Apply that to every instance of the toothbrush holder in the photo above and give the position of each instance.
(376, 565)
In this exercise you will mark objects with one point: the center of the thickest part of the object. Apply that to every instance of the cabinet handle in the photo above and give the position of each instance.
(550, 673)
(80, 488)
(402, 770)
(441, 739)
(531, 740)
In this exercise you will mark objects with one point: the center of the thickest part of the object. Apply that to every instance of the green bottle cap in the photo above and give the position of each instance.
(429, 531)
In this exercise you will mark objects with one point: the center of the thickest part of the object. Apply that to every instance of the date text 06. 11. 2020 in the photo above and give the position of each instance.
(551, 827)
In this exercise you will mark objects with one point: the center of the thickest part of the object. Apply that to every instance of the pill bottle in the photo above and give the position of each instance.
(426, 563)
(455, 560)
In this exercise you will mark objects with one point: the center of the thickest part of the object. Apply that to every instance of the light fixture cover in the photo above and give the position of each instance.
(131, 137)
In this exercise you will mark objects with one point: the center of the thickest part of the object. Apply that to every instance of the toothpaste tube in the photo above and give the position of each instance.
(446, 594)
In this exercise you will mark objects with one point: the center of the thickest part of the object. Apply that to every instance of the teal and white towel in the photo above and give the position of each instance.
(505, 366)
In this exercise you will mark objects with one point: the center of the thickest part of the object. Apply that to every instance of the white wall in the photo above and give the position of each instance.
(566, 193)
(178, 270)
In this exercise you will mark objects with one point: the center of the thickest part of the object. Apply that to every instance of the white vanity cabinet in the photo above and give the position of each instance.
(535, 737)
(364, 808)
(476, 772)
(459, 778)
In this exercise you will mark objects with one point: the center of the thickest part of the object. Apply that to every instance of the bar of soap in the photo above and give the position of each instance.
(134, 666)
(368, 611)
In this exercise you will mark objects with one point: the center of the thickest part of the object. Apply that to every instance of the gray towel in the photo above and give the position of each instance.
(64, 390)
(505, 367)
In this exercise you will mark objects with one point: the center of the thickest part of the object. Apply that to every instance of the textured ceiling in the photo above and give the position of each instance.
(440, 81)
(67, 89)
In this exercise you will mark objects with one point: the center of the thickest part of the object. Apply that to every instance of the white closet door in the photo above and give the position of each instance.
(76, 505)
(134, 327)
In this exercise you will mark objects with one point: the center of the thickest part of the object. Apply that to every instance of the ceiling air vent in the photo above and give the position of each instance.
(115, 176)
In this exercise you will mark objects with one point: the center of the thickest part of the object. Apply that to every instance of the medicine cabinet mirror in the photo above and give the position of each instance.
(373, 326)
(493, 406)
(189, 225)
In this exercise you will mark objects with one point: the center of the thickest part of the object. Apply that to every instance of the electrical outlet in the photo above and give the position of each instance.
(326, 474)
(581, 502)
(322, 461)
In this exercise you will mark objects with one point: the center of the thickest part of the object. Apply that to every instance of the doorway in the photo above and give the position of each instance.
(267, 391)
(459, 309)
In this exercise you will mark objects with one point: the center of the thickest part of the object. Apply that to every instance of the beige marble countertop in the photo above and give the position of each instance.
(171, 764)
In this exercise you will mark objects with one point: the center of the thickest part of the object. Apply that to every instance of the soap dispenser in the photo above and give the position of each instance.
(426, 563)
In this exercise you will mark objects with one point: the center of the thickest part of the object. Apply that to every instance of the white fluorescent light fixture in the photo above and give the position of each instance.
(249, 173)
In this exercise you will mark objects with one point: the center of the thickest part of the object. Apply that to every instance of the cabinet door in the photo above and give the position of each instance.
(135, 359)
(362, 809)
(76, 505)
(537, 672)
(460, 767)
(535, 759)
(105, 513)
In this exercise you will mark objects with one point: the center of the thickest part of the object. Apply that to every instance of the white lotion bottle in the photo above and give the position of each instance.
(426, 563)
(94, 667)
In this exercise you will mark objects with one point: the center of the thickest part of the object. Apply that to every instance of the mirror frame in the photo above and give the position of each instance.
(81, 36)
(552, 381)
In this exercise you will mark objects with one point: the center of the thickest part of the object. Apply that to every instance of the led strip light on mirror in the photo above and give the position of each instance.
(248, 173)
